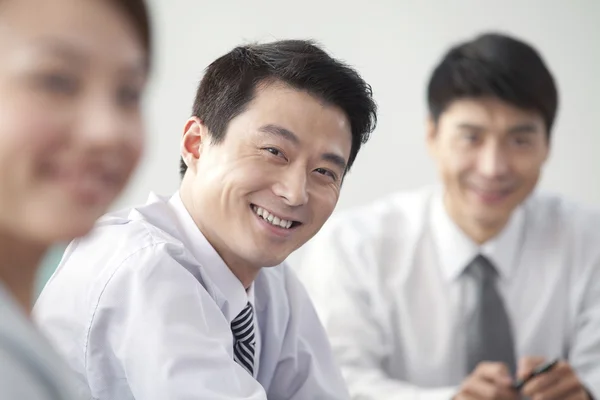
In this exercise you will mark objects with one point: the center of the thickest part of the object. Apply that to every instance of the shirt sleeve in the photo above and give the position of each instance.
(584, 354)
(168, 335)
(306, 368)
(340, 273)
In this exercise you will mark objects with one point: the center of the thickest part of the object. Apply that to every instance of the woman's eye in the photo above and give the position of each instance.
(58, 83)
(129, 95)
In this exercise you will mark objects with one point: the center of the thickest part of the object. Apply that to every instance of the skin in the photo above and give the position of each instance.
(488, 381)
(71, 129)
(490, 156)
(492, 381)
(560, 382)
(287, 154)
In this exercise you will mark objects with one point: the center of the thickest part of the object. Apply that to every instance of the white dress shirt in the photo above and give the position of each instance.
(386, 282)
(29, 368)
(142, 307)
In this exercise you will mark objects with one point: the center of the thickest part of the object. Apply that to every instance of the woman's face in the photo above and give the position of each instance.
(71, 133)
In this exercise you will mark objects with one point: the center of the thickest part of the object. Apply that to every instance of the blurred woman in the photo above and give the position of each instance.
(71, 133)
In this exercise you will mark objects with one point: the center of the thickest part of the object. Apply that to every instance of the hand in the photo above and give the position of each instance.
(489, 381)
(558, 383)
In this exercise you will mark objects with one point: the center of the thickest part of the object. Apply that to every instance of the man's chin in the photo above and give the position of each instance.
(274, 261)
(490, 218)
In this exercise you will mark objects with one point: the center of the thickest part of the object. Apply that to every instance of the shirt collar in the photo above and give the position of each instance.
(227, 284)
(456, 250)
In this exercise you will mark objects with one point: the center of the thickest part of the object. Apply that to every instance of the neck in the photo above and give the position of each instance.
(245, 274)
(477, 231)
(19, 261)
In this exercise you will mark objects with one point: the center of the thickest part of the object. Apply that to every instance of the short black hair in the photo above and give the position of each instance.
(494, 65)
(230, 83)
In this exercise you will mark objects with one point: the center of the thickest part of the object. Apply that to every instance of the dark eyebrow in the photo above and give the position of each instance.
(471, 127)
(514, 130)
(70, 52)
(335, 159)
(523, 128)
(276, 130)
(59, 48)
(290, 136)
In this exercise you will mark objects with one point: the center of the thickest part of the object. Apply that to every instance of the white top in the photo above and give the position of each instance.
(142, 307)
(386, 281)
(29, 368)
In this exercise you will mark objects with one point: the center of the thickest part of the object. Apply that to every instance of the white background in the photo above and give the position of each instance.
(395, 45)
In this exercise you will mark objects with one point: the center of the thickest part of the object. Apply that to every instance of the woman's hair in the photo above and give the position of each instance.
(138, 14)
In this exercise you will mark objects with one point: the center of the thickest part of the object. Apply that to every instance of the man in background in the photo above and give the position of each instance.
(456, 291)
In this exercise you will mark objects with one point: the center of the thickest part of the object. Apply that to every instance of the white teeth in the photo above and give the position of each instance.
(272, 219)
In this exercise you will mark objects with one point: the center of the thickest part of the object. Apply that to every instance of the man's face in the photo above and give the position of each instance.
(489, 155)
(273, 181)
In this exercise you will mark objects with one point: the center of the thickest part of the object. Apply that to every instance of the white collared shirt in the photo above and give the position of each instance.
(141, 309)
(387, 283)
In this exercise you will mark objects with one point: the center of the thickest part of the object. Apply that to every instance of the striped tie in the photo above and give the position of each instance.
(244, 341)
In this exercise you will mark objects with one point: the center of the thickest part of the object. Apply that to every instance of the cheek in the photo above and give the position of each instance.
(26, 137)
(223, 182)
(133, 148)
(39, 127)
(22, 144)
(529, 168)
(456, 166)
(323, 202)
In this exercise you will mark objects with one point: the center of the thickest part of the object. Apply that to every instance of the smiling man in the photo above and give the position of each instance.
(456, 291)
(172, 299)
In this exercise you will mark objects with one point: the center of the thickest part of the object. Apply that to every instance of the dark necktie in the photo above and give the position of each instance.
(244, 340)
(489, 335)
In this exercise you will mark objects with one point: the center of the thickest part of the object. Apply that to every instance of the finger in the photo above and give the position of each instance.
(568, 386)
(464, 396)
(578, 395)
(527, 365)
(480, 388)
(547, 381)
(494, 372)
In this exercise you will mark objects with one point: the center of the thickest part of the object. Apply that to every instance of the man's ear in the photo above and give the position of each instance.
(195, 135)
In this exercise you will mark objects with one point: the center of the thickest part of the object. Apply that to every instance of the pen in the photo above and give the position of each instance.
(537, 371)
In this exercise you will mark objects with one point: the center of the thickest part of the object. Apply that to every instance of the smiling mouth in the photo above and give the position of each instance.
(274, 219)
(492, 195)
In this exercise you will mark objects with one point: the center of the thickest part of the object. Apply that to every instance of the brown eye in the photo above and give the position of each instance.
(326, 172)
(129, 96)
(520, 141)
(58, 83)
(470, 137)
(275, 152)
